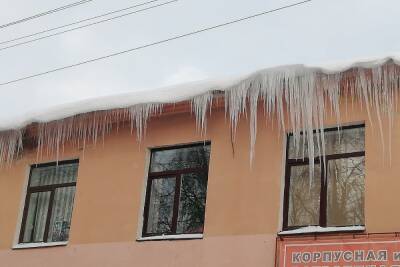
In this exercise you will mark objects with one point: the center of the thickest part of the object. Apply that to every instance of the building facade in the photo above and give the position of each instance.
(181, 198)
(291, 166)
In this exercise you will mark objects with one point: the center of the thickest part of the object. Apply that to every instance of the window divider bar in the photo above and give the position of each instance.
(305, 161)
(176, 203)
(24, 217)
(147, 207)
(323, 196)
(286, 189)
(34, 221)
(48, 218)
(164, 174)
(345, 155)
(331, 129)
(44, 188)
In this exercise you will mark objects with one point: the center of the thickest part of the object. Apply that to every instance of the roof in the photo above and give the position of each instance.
(300, 91)
(182, 92)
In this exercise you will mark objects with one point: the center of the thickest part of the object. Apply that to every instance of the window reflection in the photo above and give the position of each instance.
(161, 206)
(346, 191)
(334, 196)
(304, 196)
(180, 158)
(192, 203)
(176, 196)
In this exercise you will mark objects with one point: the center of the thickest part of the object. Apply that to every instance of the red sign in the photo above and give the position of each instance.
(357, 251)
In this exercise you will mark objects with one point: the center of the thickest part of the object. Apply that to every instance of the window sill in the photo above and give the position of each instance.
(170, 237)
(318, 229)
(40, 245)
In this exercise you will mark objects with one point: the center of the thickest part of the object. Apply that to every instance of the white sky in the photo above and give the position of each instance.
(316, 32)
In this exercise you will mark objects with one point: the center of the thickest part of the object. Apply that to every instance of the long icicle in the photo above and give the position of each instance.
(298, 98)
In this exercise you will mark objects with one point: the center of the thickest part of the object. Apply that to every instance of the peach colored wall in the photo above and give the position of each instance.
(243, 212)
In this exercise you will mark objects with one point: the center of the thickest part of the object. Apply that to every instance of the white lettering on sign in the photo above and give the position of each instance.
(347, 256)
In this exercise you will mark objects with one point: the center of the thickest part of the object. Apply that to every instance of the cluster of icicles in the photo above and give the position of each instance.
(298, 99)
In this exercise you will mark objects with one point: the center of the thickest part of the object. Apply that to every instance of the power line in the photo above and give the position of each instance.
(48, 12)
(90, 24)
(156, 43)
(77, 22)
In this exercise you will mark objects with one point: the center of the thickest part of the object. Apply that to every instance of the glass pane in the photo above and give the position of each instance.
(302, 151)
(346, 192)
(61, 215)
(192, 203)
(304, 196)
(345, 141)
(336, 142)
(161, 206)
(65, 173)
(180, 158)
(36, 217)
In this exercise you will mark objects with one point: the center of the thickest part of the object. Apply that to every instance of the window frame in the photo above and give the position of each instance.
(177, 174)
(43, 188)
(323, 208)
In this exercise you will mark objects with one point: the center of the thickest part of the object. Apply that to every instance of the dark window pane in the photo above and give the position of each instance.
(180, 158)
(61, 215)
(36, 217)
(336, 142)
(304, 196)
(192, 203)
(346, 191)
(161, 206)
(65, 173)
(344, 175)
(176, 203)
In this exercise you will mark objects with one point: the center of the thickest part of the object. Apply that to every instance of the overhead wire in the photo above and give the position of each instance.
(156, 43)
(48, 12)
(77, 22)
(88, 25)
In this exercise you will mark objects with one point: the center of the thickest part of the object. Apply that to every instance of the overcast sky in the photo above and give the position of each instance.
(316, 32)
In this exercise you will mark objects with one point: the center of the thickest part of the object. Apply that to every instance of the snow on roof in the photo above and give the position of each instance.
(171, 94)
(304, 89)
(180, 92)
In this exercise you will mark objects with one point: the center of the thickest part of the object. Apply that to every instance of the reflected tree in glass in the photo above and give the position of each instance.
(176, 195)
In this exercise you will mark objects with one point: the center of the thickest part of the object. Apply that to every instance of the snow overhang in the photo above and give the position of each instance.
(303, 88)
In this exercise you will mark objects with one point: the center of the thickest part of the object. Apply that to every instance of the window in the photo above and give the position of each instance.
(176, 190)
(334, 196)
(49, 202)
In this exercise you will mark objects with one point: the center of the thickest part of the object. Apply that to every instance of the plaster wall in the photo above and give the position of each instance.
(244, 203)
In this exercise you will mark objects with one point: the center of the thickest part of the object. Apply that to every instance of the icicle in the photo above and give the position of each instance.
(10, 145)
(53, 136)
(254, 98)
(298, 98)
(235, 103)
(139, 115)
(200, 105)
